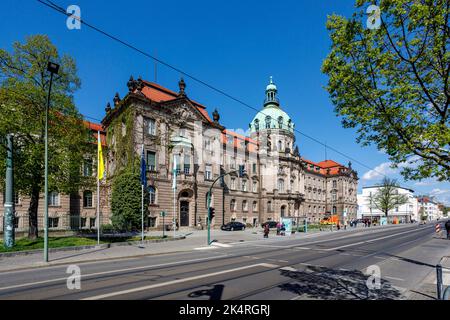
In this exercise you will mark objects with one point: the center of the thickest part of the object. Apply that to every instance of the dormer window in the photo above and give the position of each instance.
(268, 120)
(280, 122)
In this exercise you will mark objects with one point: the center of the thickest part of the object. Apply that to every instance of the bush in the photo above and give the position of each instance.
(107, 228)
(126, 201)
(248, 225)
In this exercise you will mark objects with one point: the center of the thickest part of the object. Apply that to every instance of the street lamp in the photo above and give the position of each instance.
(53, 69)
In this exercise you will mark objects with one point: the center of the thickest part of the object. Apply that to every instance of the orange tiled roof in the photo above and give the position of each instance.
(95, 127)
(325, 167)
(158, 93)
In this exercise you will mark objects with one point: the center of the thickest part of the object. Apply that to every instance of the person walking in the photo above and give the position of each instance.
(447, 228)
(266, 230)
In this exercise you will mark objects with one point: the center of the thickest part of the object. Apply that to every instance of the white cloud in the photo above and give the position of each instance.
(379, 172)
(438, 192)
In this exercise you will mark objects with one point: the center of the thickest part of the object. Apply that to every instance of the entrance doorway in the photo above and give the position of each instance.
(184, 214)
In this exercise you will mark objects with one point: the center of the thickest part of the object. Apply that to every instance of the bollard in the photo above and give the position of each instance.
(439, 281)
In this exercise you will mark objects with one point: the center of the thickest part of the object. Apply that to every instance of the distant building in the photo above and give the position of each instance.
(403, 214)
(430, 208)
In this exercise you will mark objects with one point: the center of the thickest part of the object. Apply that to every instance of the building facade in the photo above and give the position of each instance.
(178, 135)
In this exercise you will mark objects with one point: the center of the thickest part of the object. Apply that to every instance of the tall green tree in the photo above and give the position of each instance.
(126, 200)
(387, 197)
(24, 84)
(392, 83)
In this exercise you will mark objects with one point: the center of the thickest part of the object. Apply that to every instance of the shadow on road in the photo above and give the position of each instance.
(214, 294)
(329, 284)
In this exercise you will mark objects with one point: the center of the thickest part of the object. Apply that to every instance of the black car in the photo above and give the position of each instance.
(232, 226)
(272, 224)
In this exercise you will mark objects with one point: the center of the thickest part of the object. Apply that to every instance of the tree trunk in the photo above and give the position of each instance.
(33, 214)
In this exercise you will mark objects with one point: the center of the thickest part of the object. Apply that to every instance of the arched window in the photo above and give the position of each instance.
(280, 122)
(289, 123)
(233, 205)
(280, 145)
(244, 205)
(280, 185)
(257, 124)
(283, 211)
(87, 199)
(152, 194)
(268, 120)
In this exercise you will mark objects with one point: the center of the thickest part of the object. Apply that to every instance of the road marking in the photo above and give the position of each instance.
(223, 245)
(158, 285)
(394, 278)
(111, 272)
(205, 248)
(367, 241)
(288, 269)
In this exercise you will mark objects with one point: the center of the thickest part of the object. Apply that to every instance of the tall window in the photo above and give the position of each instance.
(244, 185)
(269, 206)
(255, 186)
(244, 205)
(254, 167)
(208, 172)
(334, 184)
(208, 144)
(268, 120)
(233, 205)
(87, 168)
(151, 161)
(256, 125)
(87, 199)
(92, 222)
(280, 122)
(151, 127)
(280, 185)
(187, 164)
(53, 198)
(255, 206)
(280, 146)
(233, 184)
(334, 210)
(178, 159)
(152, 194)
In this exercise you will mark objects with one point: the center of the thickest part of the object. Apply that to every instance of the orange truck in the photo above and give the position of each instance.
(333, 219)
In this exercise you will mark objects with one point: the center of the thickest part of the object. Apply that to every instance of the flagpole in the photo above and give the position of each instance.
(142, 194)
(142, 213)
(98, 188)
(174, 187)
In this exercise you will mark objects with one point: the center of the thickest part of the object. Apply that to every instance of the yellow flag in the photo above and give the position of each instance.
(100, 164)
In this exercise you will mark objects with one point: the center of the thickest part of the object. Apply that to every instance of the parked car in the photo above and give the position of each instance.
(232, 226)
(272, 224)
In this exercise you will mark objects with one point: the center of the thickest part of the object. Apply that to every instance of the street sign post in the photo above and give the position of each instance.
(163, 215)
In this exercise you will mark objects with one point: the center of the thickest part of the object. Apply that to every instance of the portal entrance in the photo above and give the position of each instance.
(184, 214)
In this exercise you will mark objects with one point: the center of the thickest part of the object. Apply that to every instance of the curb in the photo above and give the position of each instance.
(77, 248)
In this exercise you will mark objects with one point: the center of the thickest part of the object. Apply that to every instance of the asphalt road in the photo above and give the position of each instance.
(317, 266)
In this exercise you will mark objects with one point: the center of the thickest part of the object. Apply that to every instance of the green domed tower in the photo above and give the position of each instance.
(273, 124)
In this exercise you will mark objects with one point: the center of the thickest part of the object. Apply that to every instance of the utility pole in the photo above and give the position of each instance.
(8, 235)
(53, 69)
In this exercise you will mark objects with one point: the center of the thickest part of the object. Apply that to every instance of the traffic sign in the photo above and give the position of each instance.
(162, 214)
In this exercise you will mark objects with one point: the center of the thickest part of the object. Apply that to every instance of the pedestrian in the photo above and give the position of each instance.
(345, 225)
(447, 227)
(266, 230)
(278, 228)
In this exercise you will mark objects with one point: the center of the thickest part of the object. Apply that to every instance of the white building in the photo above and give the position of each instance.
(429, 208)
(403, 214)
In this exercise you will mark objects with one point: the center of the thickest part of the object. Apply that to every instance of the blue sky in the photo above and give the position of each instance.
(233, 45)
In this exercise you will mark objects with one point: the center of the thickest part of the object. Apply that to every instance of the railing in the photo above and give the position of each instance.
(442, 294)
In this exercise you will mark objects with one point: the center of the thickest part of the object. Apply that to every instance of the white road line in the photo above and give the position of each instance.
(205, 248)
(394, 278)
(111, 272)
(158, 285)
(223, 245)
(288, 269)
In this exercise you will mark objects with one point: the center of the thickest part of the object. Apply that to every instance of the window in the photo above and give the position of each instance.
(244, 185)
(268, 120)
(255, 206)
(334, 184)
(208, 145)
(233, 184)
(187, 164)
(280, 185)
(244, 205)
(280, 122)
(87, 199)
(87, 168)
(151, 127)
(92, 223)
(256, 125)
(16, 222)
(334, 210)
(254, 167)
(53, 198)
(233, 205)
(182, 132)
(16, 198)
(151, 161)
(53, 222)
(83, 222)
(152, 195)
(208, 172)
(255, 186)
(280, 145)
(151, 222)
(178, 159)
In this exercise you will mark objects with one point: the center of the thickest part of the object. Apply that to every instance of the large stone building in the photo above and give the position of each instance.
(171, 127)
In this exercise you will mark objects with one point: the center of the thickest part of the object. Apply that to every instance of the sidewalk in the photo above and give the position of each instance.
(428, 287)
(194, 239)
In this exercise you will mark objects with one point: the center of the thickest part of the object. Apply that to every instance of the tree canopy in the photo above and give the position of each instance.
(392, 83)
(24, 84)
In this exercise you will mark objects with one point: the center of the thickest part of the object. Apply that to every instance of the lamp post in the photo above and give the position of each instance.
(53, 69)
